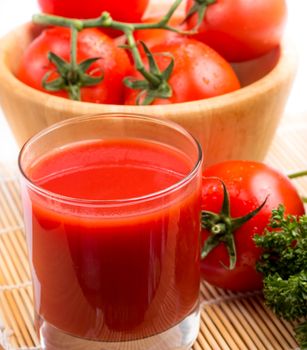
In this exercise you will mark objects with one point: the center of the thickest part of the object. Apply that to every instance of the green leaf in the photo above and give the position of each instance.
(283, 264)
(226, 205)
(211, 243)
(208, 219)
(284, 247)
(147, 100)
(153, 67)
(85, 65)
(238, 222)
(74, 92)
(88, 80)
(231, 249)
(139, 97)
(163, 91)
(169, 70)
(301, 334)
(287, 297)
(53, 85)
(136, 84)
(62, 66)
(199, 7)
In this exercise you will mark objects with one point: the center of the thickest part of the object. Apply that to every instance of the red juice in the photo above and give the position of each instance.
(113, 257)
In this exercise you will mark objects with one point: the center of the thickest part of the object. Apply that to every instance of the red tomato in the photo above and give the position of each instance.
(248, 184)
(114, 63)
(154, 37)
(199, 73)
(241, 29)
(126, 11)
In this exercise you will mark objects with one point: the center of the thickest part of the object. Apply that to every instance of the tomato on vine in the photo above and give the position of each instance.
(238, 29)
(96, 76)
(237, 202)
(198, 72)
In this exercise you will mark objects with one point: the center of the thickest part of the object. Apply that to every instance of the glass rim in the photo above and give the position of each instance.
(109, 202)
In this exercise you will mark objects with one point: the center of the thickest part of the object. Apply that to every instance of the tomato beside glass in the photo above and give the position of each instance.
(241, 29)
(199, 72)
(248, 184)
(113, 63)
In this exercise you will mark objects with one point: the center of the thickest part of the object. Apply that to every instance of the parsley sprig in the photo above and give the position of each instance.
(284, 267)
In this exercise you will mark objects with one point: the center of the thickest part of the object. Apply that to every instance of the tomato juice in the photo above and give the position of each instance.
(113, 233)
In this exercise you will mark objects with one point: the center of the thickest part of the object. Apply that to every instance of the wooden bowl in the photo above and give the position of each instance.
(237, 125)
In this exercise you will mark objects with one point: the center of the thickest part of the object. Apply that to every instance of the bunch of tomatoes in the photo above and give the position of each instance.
(208, 37)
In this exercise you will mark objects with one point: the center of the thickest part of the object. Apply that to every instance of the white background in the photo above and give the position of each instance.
(16, 12)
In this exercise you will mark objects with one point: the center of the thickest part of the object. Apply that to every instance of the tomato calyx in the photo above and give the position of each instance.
(199, 7)
(155, 83)
(72, 75)
(222, 228)
(70, 78)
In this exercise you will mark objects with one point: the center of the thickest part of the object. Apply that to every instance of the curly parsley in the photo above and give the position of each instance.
(284, 268)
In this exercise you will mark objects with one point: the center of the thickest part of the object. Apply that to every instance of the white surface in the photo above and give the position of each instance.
(16, 12)
(12, 14)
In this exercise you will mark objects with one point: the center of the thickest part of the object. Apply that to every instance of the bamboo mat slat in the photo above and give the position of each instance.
(229, 321)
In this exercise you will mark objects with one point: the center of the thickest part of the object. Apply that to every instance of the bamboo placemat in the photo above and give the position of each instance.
(229, 320)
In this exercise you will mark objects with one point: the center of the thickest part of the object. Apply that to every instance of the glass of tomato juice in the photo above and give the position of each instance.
(112, 219)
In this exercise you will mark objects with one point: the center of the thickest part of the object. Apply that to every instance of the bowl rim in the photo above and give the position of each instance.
(283, 69)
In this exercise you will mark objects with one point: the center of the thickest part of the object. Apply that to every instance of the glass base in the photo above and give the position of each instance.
(179, 337)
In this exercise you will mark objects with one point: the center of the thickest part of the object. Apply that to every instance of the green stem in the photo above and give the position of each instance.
(57, 21)
(74, 89)
(295, 176)
(73, 48)
(164, 21)
(298, 174)
(155, 81)
(106, 21)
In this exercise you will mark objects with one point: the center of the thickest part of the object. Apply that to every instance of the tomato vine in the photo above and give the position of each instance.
(155, 83)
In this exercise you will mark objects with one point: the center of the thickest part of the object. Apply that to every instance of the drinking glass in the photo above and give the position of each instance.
(112, 218)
